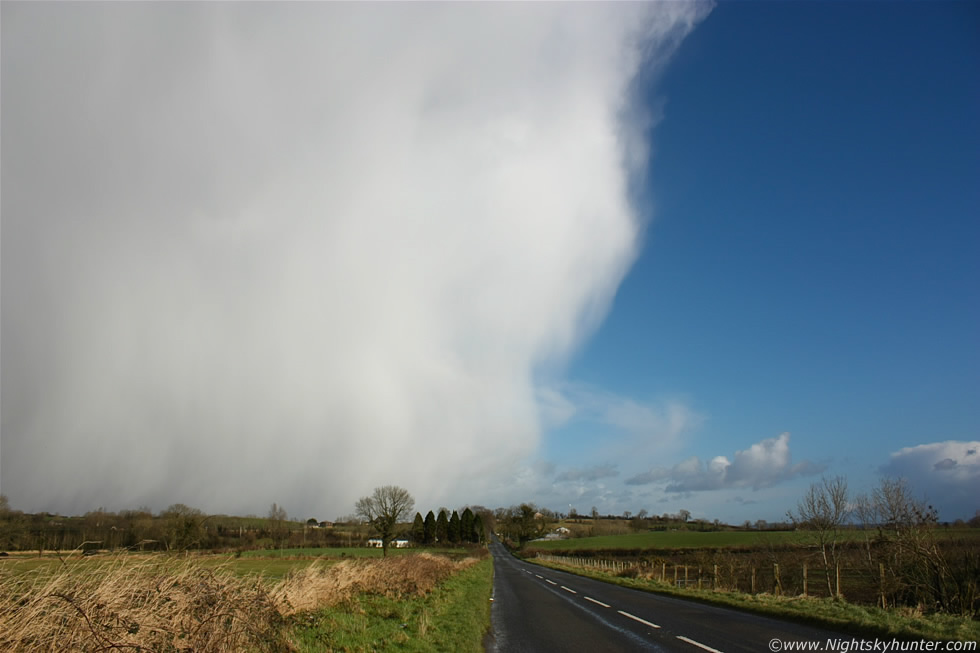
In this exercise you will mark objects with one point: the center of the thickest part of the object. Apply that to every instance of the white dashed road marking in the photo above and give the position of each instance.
(698, 644)
(589, 598)
(550, 581)
(644, 621)
(569, 589)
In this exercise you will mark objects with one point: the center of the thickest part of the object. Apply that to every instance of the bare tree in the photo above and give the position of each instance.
(277, 525)
(900, 533)
(383, 509)
(823, 511)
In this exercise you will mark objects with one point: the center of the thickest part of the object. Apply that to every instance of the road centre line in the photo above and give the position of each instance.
(698, 644)
(550, 581)
(569, 589)
(644, 621)
(539, 576)
(589, 598)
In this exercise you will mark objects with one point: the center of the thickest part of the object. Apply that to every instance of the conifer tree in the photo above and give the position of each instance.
(430, 528)
(418, 529)
(442, 528)
(454, 531)
(466, 531)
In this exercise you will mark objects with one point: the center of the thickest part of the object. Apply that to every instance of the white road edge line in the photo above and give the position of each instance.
(569, 589)
(698, 644)
(589, 598)
(550, 581)
(643, 621)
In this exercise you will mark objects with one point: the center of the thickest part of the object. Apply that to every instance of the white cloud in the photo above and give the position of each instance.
(259, 252)
(623, 425)
(762, 465)
(947, 473)
(594, 473)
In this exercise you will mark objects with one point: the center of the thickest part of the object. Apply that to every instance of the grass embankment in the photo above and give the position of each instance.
(163, 603)
(840, 616)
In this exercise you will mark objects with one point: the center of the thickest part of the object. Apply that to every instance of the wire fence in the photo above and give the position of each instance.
(858, 584)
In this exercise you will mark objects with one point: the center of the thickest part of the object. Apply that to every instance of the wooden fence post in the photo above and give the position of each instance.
(753, 580)
(699, 577)
(675, 575)
(804, 580)
(685, 576)
(663, 572)
(837, 571)
(777, 586)
(714, 578)
(881, 581)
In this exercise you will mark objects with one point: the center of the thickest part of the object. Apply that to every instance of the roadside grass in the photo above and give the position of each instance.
(454, 616)
(840, 616)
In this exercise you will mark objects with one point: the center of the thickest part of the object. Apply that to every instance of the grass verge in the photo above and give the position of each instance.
(840, 616)
(159, 602)
(452, 617)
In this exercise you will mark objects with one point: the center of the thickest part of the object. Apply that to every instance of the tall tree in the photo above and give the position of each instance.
(184, 526)
(442, 528)
(454, 530)
(478, 528)
(823, 511)
(278, 527)
(383, 509)
(430, 528)
(466, 530)
(525, 522)
(418, 529)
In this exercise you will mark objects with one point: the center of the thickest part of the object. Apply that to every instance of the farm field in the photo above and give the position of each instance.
(347, 552)
(270, 565)
(670, 540)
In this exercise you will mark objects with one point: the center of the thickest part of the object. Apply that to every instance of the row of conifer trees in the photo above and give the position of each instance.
(448, 529)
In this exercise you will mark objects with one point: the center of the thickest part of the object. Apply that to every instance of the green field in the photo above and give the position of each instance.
(670, 540)
(709, 539)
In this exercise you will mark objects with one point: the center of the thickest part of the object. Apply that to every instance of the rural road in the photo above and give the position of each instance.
(539, 609)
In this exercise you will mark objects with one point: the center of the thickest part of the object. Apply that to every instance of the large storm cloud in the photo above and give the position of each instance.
(261, 252)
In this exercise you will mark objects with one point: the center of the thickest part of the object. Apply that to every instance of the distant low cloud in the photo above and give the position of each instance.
(946, 473)
(762, 465)
(593, 473)
(653, 423)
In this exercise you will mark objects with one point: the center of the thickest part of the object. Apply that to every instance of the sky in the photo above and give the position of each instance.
(632, 256)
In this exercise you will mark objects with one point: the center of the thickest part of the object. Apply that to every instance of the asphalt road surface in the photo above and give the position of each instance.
(539, 609)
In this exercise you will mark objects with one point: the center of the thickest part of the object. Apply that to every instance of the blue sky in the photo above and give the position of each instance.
(811, 266)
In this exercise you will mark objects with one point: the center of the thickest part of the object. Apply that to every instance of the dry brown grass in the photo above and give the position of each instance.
(395, 576)
(165, 603)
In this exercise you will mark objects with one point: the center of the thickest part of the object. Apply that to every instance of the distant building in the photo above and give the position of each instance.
(376, 543)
